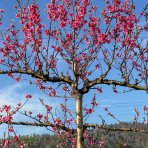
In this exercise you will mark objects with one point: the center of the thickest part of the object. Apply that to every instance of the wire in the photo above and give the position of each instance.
(103, 106)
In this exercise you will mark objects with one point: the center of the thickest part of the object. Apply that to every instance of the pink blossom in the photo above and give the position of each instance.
(89, 111)
(39, 116)
(28, 96)
(49, 108)
(145, 108)
(57, 121)
(6, 119)
(17, 79)
(125, 145)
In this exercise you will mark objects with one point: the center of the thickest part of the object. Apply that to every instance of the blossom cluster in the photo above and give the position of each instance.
(57, 12)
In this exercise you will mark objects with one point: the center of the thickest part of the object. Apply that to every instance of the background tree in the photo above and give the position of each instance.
(93, 57)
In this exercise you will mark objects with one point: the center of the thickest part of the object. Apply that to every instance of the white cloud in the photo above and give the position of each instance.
(9, 94)
(12, 95)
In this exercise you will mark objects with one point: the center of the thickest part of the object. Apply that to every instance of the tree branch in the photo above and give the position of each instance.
(43, 77)
(124, 129)
(112, 82)
(61, 127)
(86, 125)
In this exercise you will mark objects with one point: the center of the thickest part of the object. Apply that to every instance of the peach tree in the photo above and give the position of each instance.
(96, 48)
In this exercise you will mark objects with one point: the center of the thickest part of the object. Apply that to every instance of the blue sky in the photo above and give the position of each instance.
(121, 105)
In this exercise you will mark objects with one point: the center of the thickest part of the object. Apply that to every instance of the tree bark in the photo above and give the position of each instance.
(79, 121)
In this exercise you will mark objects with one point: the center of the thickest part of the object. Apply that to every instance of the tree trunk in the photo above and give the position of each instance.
(79, 121)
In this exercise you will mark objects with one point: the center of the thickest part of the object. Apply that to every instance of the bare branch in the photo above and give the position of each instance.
(86, 125)
(61, 127)
(43, 77)
(112, 82)
(124, 129)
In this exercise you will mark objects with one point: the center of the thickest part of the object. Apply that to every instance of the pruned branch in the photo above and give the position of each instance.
(112, 82)
(61, 127)
(124, 129)
(86, 126)
(43, 77)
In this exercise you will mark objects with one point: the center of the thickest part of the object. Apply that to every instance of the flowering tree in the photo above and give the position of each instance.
(96, 49)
